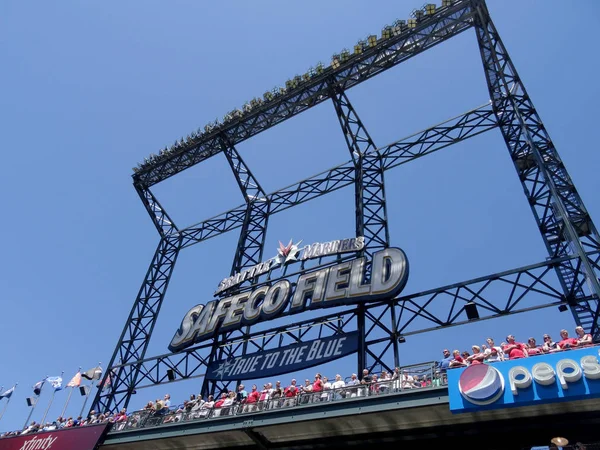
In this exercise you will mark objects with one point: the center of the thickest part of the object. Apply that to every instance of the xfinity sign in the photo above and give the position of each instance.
(332, 286)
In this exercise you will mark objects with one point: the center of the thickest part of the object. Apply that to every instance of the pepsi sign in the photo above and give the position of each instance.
(563, 376)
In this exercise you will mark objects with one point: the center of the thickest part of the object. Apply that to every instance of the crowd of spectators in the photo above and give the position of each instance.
(511, 349)
(275, 395)
(320, 389)
(60, 423)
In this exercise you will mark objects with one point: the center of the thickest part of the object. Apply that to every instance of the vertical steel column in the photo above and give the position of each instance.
(249, 250)
(370, 206)
(564, 222)
(136, 334)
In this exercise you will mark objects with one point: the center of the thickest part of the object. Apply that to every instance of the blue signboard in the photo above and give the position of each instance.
(553, 377)
(286, 359)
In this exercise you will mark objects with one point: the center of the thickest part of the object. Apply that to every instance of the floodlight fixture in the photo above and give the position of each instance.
(335, 61)
(344, 55)
(386, 33)
(398, 27)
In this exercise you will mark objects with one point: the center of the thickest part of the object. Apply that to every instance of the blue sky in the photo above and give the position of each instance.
(91, 88)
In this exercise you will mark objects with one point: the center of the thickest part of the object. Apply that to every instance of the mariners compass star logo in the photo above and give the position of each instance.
(224, 368)
(287, 253)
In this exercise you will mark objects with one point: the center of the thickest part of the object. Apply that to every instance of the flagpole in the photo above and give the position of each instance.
(37, 397)
(87, 395)
(47, 409)
(8, 401)
(62, 414)
(51, 400)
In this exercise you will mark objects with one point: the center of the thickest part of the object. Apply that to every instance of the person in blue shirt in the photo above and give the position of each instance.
(444, 363)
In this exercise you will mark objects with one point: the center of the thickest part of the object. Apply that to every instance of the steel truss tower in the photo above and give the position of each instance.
(571, 238)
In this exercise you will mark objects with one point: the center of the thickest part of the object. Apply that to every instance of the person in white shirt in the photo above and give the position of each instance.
(337, 386)
(353, 383)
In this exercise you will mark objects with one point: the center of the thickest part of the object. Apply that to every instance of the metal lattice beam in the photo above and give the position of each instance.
(450, 132)
(135, 337)
(432, 30)
(514, 291)
(161, 220)
(564, 222)
(249, 252)
(369, 204)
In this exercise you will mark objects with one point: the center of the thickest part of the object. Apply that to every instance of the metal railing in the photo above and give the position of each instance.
(410, 378)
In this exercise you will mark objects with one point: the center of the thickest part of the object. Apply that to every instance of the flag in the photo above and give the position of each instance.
(106, 383)
(7, 393)
(75, 381)
(94, 373)
(56, 382)
(37, 387)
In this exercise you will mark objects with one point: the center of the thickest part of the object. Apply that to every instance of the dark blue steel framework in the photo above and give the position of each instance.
(570, 237)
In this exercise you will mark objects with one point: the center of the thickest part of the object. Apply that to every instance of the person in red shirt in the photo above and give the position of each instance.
(219, 404)
(457, 361)
(583, 339)
(566, 342)
(251, 400)
(317, 388)
(477, 357)
(532, 348)
(290, 393)
(513, 349)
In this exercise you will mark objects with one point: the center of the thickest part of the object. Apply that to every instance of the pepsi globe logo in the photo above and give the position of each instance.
(481, 384)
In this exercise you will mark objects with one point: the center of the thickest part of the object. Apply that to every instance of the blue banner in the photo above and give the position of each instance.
(286, 359)
(552, 377)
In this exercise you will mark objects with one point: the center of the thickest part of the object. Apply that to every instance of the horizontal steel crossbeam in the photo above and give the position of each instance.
(417, 313)
(432, 139)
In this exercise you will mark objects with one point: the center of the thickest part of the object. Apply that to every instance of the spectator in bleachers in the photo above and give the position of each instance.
(495, 352)
(337, 386)
(385, 382)
(241, 394)
(532, 348)
(583, 339)
(408, 381)
(265, 394)
(444, 363)
(207, 406)
(276, 395)
(566, 342)
(317, 388)
(252, 400)
(290, 394)
(305, 392)
(352, 384)
(477, 357)
(374, 385)
(326, 390)
(514, 349)
(228, 404)
(397, 379)
(549, 345)
(457, 360)
(219, 404)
